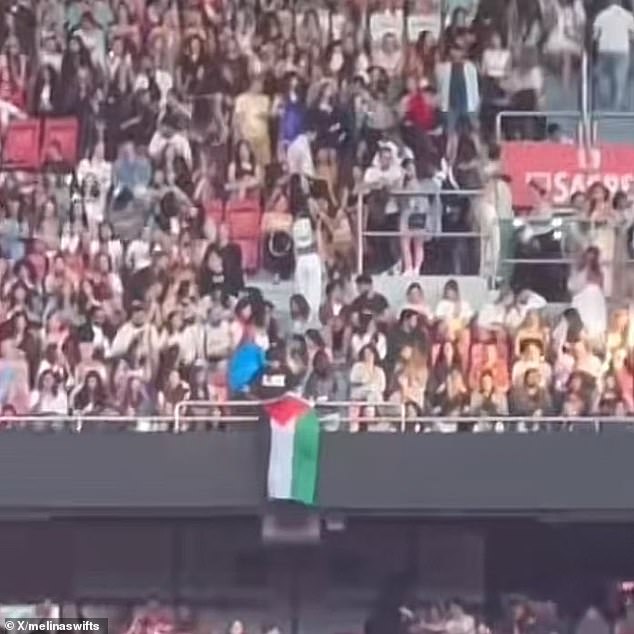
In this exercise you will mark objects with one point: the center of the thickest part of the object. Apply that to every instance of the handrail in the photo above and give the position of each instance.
(606, 115)
(612, 114)
(424, 191)
(410, 232)
(395, 414)
(442, 193)
(178, 417)
(586, 125)
(561, 114)
(360, 223)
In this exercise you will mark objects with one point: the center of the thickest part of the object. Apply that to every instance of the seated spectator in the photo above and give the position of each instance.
(532, 329)
(13, 73)
(452, 311)
(366, 332)
(367, 379)
(611, 400)
(410, 381)
(415, 300)
(532, 358)
(619, 333)
(205, 395)
(45, 97)
(621, 367)
(407, 333)
(299, 314)
(492, 364)
(136, 400)
(528, 396)
(491, 318)
(90, 398)
(167, 141)
(245, 175)
(334, 316)
(231, 257)
(453, 400)
(174, 391)
(488, 400)
(315, 343)
(568, 330)
(326, 385)
(217, 335)
(586, 362)
(139, 332)
(369, 301)
(50, 396)
(580, 396)
(447, 360)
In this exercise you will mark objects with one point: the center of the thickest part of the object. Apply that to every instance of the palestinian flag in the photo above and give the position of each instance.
(294, 450)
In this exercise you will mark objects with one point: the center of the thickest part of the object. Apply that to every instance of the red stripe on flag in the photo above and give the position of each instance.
(287, 409)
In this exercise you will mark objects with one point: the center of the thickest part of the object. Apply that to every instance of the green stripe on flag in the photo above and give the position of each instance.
(306, 458)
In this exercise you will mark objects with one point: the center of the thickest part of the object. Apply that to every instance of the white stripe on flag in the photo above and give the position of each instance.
(280, 476)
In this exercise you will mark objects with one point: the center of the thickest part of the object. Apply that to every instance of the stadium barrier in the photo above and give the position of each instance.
(361, 221)
(542, 115)
(603, 117)
(336, 417)
(553, 171)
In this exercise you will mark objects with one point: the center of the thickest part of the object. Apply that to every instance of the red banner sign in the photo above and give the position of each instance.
(560, 170)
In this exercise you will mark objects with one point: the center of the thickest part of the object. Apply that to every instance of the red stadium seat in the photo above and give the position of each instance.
(250, 254)
(22, 146)
(244, 226)
(59, 142)
(244, 218)
(242, 205)
(214, 211)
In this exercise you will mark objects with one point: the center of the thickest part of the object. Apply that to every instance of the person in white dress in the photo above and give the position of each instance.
(588, 297)
(565, 39)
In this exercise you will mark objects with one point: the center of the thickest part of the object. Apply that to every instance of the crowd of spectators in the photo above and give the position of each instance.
(122, 289)
(514, 614)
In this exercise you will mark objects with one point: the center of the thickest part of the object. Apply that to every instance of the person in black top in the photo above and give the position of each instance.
(231, 256)
(277, 378)
(211, 275)
(368, 300)
(406, 333)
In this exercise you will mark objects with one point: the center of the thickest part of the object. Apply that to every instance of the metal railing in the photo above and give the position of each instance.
(345, 417)
(362, 233)
(599, 116)
(552, 114)
(574, 235)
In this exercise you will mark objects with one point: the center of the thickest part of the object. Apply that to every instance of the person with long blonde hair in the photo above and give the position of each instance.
(410, 381)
